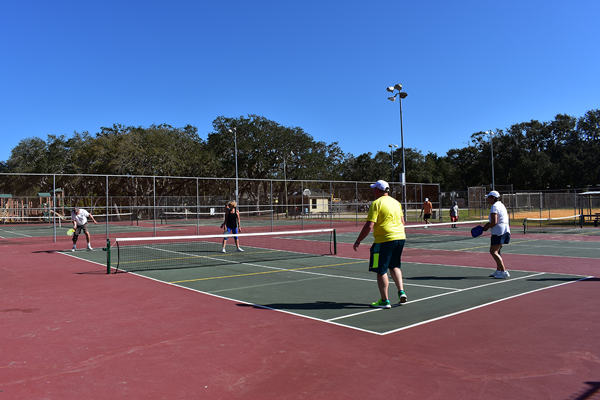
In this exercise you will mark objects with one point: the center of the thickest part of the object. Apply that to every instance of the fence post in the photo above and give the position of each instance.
(272, 208)
(107, 208)
(54, 205)
(154, 201)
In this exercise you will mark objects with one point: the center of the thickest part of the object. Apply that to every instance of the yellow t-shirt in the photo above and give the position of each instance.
(387, 215)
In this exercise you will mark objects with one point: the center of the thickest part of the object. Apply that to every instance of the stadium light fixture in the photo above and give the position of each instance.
(401, 95)
(397, 86)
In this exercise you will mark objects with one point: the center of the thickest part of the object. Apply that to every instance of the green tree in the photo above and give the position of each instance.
(588, 128)
(262, 146)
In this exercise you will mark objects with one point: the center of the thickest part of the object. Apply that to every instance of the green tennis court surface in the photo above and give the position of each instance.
(339, 290)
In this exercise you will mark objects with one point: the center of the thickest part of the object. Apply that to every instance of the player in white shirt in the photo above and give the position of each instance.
(80, 218)
(499, 224)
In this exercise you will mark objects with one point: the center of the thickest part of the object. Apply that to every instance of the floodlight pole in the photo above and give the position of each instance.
(283, 156)
(237, 196)
(391, 146)
(401, 95)
(285, 184)
(491, 133)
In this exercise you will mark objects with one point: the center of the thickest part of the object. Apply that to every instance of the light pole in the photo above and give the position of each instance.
(492, 146)
(391, 146)
(237, 194)
(285, 183)
(285, 176)
(401, 95)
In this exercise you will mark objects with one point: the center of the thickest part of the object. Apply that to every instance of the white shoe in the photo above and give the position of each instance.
(90, 248)
(223, 251)
(240, 249)
(493, 274)
(502, 275)
(74, 249)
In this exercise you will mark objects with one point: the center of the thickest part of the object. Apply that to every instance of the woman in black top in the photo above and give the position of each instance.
(231, 224)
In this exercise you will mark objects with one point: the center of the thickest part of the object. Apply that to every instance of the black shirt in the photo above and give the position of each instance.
(232, 219)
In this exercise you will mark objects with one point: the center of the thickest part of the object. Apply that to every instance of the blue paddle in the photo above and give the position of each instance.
(477, 231)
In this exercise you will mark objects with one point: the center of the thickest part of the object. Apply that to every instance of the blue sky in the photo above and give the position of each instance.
(467, 66)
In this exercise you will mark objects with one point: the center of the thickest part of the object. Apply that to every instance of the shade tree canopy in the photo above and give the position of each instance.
(564, 152)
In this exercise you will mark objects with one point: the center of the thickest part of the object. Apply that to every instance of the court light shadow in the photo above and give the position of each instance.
(556, 279)
(317, 305)
(589, 393)
(103, 272)
(439, 278)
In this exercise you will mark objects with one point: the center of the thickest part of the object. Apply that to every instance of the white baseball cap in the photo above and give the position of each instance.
(493, 193)
(426, 199)
(381, 185)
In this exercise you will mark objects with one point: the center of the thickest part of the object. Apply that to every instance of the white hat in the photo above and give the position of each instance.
(493, 193)
(381, 185)
(426, 199)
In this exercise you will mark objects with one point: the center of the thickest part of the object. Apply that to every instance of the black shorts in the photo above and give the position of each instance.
(501, 239)
(427, 216)
(386, 255)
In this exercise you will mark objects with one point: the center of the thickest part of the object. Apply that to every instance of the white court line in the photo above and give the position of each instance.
(333, 322)
(442, 294)
(227, 298)
(14, 233)
(558, 246)
(482, 305)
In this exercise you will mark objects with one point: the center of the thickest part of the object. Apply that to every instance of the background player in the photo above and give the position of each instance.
(232, 224)
(80, 218)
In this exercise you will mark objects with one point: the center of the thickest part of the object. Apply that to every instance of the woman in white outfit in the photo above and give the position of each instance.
(499, 224)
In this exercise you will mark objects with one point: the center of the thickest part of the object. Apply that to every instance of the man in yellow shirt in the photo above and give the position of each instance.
(387, 221)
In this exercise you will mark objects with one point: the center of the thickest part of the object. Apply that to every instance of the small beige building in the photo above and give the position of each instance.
(311, 201)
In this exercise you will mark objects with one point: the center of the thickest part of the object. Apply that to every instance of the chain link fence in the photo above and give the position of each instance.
(38, 206)
(522, 204)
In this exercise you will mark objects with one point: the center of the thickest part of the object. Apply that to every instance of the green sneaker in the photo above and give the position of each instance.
(381, 304)
(402, 297)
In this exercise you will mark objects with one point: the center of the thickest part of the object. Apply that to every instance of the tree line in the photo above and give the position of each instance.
(533, 155)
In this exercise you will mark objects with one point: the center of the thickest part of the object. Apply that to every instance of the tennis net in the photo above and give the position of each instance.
(552, 225)
(186, 217)
(440, 232)
(158, 253)
(115, 219)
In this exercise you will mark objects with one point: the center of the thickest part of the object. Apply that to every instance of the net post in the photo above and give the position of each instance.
(334, 243)
(107, 250)
(524, 226)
